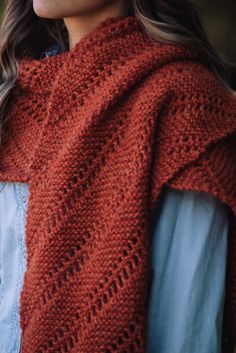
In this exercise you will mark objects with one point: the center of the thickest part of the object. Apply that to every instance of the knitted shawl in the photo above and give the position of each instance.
(98, 131)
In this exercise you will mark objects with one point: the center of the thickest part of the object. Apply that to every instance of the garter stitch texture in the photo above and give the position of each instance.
(97, 131)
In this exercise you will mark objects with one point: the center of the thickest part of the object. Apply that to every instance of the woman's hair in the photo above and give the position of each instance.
(22, 32)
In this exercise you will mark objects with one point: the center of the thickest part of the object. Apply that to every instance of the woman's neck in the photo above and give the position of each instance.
(78, 26)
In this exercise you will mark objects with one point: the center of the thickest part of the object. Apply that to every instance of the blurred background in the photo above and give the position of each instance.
(219, 18)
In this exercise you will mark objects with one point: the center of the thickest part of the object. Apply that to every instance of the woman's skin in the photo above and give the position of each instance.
(80, 16)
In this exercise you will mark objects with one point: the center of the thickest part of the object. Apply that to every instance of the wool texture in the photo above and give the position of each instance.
(97, 131)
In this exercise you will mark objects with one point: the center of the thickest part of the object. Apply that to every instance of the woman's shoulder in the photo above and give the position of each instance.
(196, 103)
(192, 79)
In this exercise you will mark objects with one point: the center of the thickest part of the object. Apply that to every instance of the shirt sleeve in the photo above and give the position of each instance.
(188, 237)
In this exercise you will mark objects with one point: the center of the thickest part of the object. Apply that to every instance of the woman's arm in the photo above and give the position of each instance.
(188, 239)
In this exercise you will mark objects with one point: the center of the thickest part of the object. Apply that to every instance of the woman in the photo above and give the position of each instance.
(80, 129)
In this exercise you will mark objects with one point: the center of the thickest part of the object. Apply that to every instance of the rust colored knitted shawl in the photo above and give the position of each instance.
(97, 131)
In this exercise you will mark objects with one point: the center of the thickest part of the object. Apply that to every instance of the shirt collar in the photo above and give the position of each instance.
(53, 50)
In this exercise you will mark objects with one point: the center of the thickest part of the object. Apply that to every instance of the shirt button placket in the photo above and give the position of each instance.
(24, 198)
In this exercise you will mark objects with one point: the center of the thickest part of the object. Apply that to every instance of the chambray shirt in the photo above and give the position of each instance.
(188, 236)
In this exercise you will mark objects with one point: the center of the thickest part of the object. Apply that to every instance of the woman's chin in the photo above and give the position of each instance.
(48, 9)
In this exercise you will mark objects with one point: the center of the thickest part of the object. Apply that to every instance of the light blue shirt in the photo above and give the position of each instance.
(188, 236)
(13, 204)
